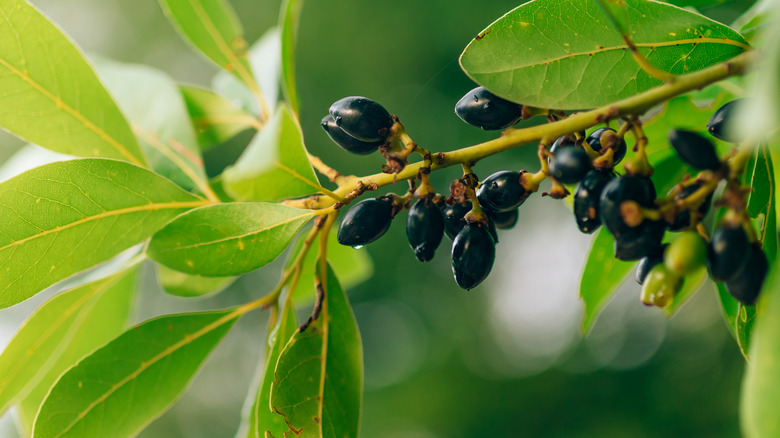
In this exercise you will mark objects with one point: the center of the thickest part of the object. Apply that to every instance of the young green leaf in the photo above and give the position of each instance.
(41, 339)
(352, 267)
(214, 29)
(262, 418)
(319, 375)
(601, 278)
(565, 55)
(156, 110)
(100, 320)
(52, 97)
(759, 175)
(275, 165)
(188, 285)
(216, 119)
(761, 384)
(227, 239)
(124, 385)
(62, 218)
(288, 23)
(265, 58)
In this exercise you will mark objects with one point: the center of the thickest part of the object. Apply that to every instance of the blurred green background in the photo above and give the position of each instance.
(504, 360)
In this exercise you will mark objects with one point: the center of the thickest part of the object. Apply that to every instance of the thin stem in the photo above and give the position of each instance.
(645, 64)
(634, 105)
(332, 174)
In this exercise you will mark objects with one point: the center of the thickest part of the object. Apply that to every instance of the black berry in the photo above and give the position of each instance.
(505, 220)
(586, 200)
(615, 193)
(647, 263)
(640, 241)
(695, 150)
(746, 284)
(597, 143)
(729, 251)
(365, 222)
(453, 218)
(719, 125)
(502, 191)
(561, 143)
(570, 164)
(483, 109)
(361, 118)
(425, 229)
(346, 141)
(473, 254)
(683, 219)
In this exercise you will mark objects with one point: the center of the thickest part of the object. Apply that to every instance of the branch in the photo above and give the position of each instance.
(511, 138)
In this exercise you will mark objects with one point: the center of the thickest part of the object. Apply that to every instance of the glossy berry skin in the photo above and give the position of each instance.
(502, 191)
(695, 150)
(746, 284)
(453, 218)
(718, 126)
(594, 141)
(640, 241)
(361, 118)
(729, 251)
(506, 219)
(346, 141)
(683, 219)
(425, 229)
(570, 164)
(483, 109)
(625, 188)
(561, 143)
(647, 263)
(366, 222)
(586, 200)
(473, 254)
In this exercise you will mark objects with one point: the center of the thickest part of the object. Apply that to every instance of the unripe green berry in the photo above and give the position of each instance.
(686, 254)
(661, 286)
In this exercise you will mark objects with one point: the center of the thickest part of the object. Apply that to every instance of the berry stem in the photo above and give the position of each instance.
(332, 174)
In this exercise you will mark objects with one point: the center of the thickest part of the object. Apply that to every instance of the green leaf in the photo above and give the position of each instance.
(525, 56)
(213, 28)
(262, 418)
(275, 165)
(265, 58)
(216, 119)
(62, 218)
(100, 320)
(227, 239)
(156, 110)
(601, 278)
(617, 12)
(319, 375)
(759, 175)
(41, 339)
(188, 285)
(124, 385)
(288, 23)
(51, 95)
(761, 383)
(352, 267)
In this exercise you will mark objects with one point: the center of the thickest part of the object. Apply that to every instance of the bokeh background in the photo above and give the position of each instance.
(504, 360)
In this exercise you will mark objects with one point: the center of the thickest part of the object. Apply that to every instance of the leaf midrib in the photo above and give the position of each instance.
(618, 47)
(187, 339)
(74, 113)
(241, 236)
(110, 213)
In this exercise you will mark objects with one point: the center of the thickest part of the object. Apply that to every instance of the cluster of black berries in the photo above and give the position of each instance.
(627, 205)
